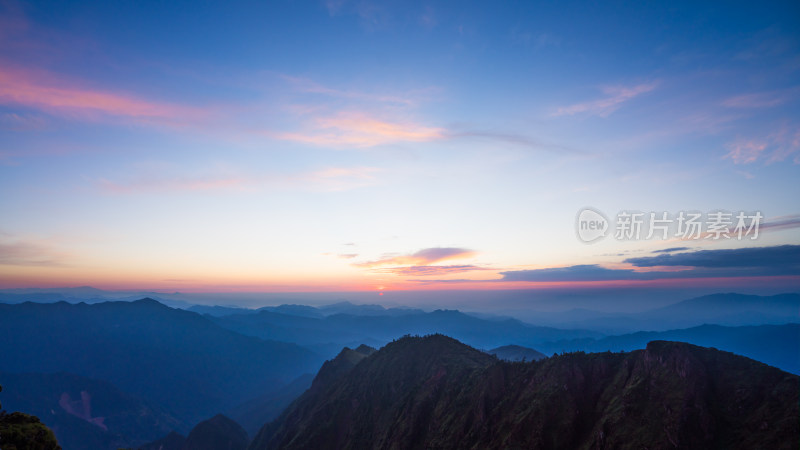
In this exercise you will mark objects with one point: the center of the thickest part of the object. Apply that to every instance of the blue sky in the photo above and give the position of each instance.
(356, 145)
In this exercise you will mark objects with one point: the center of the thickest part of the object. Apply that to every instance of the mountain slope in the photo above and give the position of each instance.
(435, 392)
(253, 414)
(85, 413)
(173, 358)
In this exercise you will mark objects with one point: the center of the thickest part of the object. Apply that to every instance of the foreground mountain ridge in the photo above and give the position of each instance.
(435, 392)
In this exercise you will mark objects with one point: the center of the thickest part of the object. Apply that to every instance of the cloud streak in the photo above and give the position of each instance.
(23, 253)
(604, 107)
(43, 91)
(755, 101)
(424, 271)
(330, 179)
(358, 129)
(781, 260)
(778, 146)
(423, 257)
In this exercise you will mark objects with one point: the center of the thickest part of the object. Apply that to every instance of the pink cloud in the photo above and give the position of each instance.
(44, 91)
(758, 100)
(30, 253)
(745, 151)
(778, 146)
(616, 96)
(357, 129)
(429, 270)
(423, 257)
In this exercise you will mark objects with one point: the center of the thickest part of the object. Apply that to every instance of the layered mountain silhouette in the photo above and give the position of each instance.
(516, 353)
(776, 345)
(176, 359)
(727, 309)
(435, 392)
(343, 329)
(117, 374)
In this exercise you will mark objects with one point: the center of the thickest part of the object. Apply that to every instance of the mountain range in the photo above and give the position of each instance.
(435, 392)
(177, 359)
(120, 373)
(720, 309)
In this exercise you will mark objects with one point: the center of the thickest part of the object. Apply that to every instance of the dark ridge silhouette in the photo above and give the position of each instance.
(435, 392)
(516, 353)
(217, 433)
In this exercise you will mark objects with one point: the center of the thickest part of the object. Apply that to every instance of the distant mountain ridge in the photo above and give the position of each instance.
(174, 358)
(346, 328)
(727, 309)
(776, 345)
(435, 392)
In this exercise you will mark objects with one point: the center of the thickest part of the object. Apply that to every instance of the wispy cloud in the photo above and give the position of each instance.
(781, 145)
(743, 151)
(53, 94)
(309, 86)
(509, 138)
(671, 249)
(615, 97)
(755, 257)
(327, 180)
(423, 257)
(22, 122)
(756, 100)
(429, 270)
(357, 129)
(26, 253)
(782, 223)
(781, 260)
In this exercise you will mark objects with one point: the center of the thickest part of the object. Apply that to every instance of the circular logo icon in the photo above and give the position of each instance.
(591, 225)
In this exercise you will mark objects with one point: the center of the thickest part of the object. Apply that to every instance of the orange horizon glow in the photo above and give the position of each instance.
(386, 287)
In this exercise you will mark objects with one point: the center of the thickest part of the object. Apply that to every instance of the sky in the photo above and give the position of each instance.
(379, 147)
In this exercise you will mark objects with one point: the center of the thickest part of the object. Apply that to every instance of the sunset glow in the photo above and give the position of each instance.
(388, 152)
